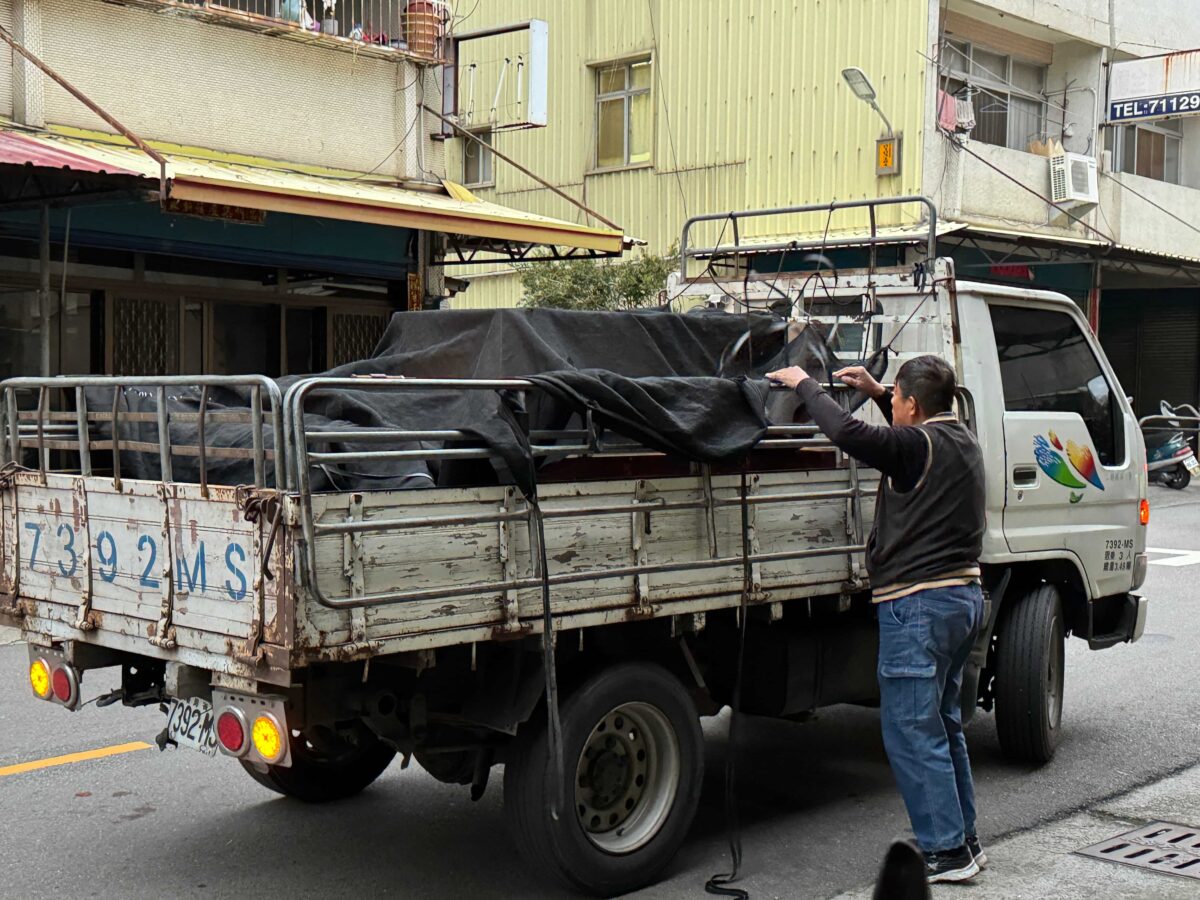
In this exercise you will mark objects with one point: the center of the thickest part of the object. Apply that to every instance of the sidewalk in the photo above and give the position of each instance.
(8, 635)
(1039, 863)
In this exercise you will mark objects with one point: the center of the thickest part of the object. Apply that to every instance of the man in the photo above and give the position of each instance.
(923, 560)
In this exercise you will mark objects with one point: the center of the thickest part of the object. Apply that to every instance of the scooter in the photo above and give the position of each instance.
(1169, 457)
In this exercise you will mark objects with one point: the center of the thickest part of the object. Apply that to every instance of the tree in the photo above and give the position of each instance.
(590, 285)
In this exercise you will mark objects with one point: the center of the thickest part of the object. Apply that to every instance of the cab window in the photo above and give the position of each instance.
(1047, 365)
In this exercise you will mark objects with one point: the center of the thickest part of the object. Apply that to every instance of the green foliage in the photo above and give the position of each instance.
(597, 285)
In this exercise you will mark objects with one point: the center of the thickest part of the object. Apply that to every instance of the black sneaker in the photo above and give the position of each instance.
(950, 865)
(977, 851)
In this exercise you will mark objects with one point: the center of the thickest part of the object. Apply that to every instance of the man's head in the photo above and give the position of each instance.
(925, 387)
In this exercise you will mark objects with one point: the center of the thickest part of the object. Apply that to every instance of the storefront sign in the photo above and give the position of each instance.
(1154, 87)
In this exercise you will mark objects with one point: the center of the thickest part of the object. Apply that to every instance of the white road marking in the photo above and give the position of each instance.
(1175, 557)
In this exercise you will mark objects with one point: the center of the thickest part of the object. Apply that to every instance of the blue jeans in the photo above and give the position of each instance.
(924, 642)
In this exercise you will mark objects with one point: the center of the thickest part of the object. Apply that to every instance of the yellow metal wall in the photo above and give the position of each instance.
(756, 104)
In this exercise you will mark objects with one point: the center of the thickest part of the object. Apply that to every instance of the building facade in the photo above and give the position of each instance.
(252, 186)
(664, 109)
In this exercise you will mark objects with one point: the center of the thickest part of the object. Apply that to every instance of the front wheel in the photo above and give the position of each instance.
(328, 763)
(1031, 656)
(633, 758)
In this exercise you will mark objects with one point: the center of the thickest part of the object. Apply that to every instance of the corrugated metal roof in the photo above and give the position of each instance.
(202, 175)
(1051, 239)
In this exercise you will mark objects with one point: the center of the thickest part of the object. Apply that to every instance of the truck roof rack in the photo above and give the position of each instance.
(740, 248)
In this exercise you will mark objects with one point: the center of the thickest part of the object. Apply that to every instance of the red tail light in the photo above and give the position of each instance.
(65, 688)
(231, 732)
(1144, 512)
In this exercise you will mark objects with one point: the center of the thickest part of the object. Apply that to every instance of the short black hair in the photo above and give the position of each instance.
(930, 381)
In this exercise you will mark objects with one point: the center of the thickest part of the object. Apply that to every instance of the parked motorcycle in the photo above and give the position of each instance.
(1170, 459)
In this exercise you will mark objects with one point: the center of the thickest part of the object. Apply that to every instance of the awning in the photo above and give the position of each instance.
(201, 176)
(1098, 248)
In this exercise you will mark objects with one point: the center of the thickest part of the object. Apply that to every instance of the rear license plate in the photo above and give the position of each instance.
(190, 724)
(1191, 464)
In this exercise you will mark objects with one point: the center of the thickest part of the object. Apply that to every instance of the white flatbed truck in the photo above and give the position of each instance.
(313, 636)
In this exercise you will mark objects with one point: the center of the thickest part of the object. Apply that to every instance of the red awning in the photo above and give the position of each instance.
(16, 149)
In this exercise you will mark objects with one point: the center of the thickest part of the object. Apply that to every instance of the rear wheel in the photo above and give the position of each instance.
(1177, 478)
(328, 763)
(1030, 662)
(633, 762)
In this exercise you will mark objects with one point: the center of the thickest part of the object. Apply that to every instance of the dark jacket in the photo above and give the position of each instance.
(929, 511)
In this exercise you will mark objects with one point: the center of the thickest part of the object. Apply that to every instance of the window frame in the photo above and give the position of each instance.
(993, 83)
(487, 135)
(626, 95)
(1116, 409)
(1121, 133)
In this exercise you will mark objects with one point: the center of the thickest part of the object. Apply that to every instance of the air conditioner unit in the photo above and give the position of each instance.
(1073, 179)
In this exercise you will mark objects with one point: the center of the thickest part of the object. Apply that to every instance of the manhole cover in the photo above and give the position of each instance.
(1160, 847)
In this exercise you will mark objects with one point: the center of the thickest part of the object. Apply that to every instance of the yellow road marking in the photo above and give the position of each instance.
(82, 756)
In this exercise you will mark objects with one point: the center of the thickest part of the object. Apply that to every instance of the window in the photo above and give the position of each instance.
(477, 159)
(1006, 93)
(1047, 365)
(1148, 149)
(624, 119)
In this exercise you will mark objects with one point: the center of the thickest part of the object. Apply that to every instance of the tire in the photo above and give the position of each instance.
(326, 764)
(633, 760)
(1177, 478)
(1029, 676)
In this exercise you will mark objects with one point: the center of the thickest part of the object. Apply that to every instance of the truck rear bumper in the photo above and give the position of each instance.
(1130, 625)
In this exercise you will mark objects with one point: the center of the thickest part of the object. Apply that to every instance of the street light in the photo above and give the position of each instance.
(863, 90)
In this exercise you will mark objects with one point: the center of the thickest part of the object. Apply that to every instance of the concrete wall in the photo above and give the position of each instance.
(1082, 33)
(178, 79)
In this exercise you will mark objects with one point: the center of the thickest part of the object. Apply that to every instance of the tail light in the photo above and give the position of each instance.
(269, 739)
(65, 684)
(39, 678)
(52, 678)
(231, 731)
(1144, 512)
(253, 727)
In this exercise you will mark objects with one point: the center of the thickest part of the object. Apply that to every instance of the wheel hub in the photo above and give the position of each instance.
(626, 778)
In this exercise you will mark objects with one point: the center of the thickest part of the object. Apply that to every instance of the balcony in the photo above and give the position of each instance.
(416, 29)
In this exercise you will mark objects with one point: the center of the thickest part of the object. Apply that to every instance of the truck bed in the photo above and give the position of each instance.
(387, 572)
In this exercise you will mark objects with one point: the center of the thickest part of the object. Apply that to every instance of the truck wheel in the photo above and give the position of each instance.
(1029, 676)
(327, 764)
(633, 760)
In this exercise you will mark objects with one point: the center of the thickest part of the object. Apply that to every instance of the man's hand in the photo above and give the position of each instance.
(860, 379)
(789, 377)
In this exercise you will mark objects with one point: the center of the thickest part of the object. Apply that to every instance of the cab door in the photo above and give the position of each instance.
(1072, 480)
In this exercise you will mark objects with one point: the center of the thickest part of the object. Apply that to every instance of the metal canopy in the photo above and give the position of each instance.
(212, 179)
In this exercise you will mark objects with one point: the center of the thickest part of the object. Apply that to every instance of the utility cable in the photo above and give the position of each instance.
(1030, 190)
(1146, 199)
(666, 111)
(720, 884)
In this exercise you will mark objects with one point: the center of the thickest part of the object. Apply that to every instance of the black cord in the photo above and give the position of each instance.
(554, 723)
(720, 884)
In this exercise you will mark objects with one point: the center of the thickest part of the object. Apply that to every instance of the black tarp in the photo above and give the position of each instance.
(689, 384)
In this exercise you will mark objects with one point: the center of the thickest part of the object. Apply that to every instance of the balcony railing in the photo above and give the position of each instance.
(417, 28)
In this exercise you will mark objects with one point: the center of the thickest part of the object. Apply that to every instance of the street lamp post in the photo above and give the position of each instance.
(887, 150)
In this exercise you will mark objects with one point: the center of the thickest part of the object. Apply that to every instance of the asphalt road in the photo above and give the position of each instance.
(817, 800)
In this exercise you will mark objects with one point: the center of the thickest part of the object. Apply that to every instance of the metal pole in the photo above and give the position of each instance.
(44, 311)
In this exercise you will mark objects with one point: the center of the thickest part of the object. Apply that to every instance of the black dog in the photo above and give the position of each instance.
(902, 875)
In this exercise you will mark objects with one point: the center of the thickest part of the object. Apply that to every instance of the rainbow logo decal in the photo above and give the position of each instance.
(1082, 469)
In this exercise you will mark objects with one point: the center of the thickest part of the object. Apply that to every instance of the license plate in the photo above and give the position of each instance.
(1191, 464)
(190, 724)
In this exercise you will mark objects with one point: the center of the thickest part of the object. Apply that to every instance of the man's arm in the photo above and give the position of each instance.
(899, 453)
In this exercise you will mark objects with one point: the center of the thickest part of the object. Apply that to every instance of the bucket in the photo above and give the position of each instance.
(425, 22)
